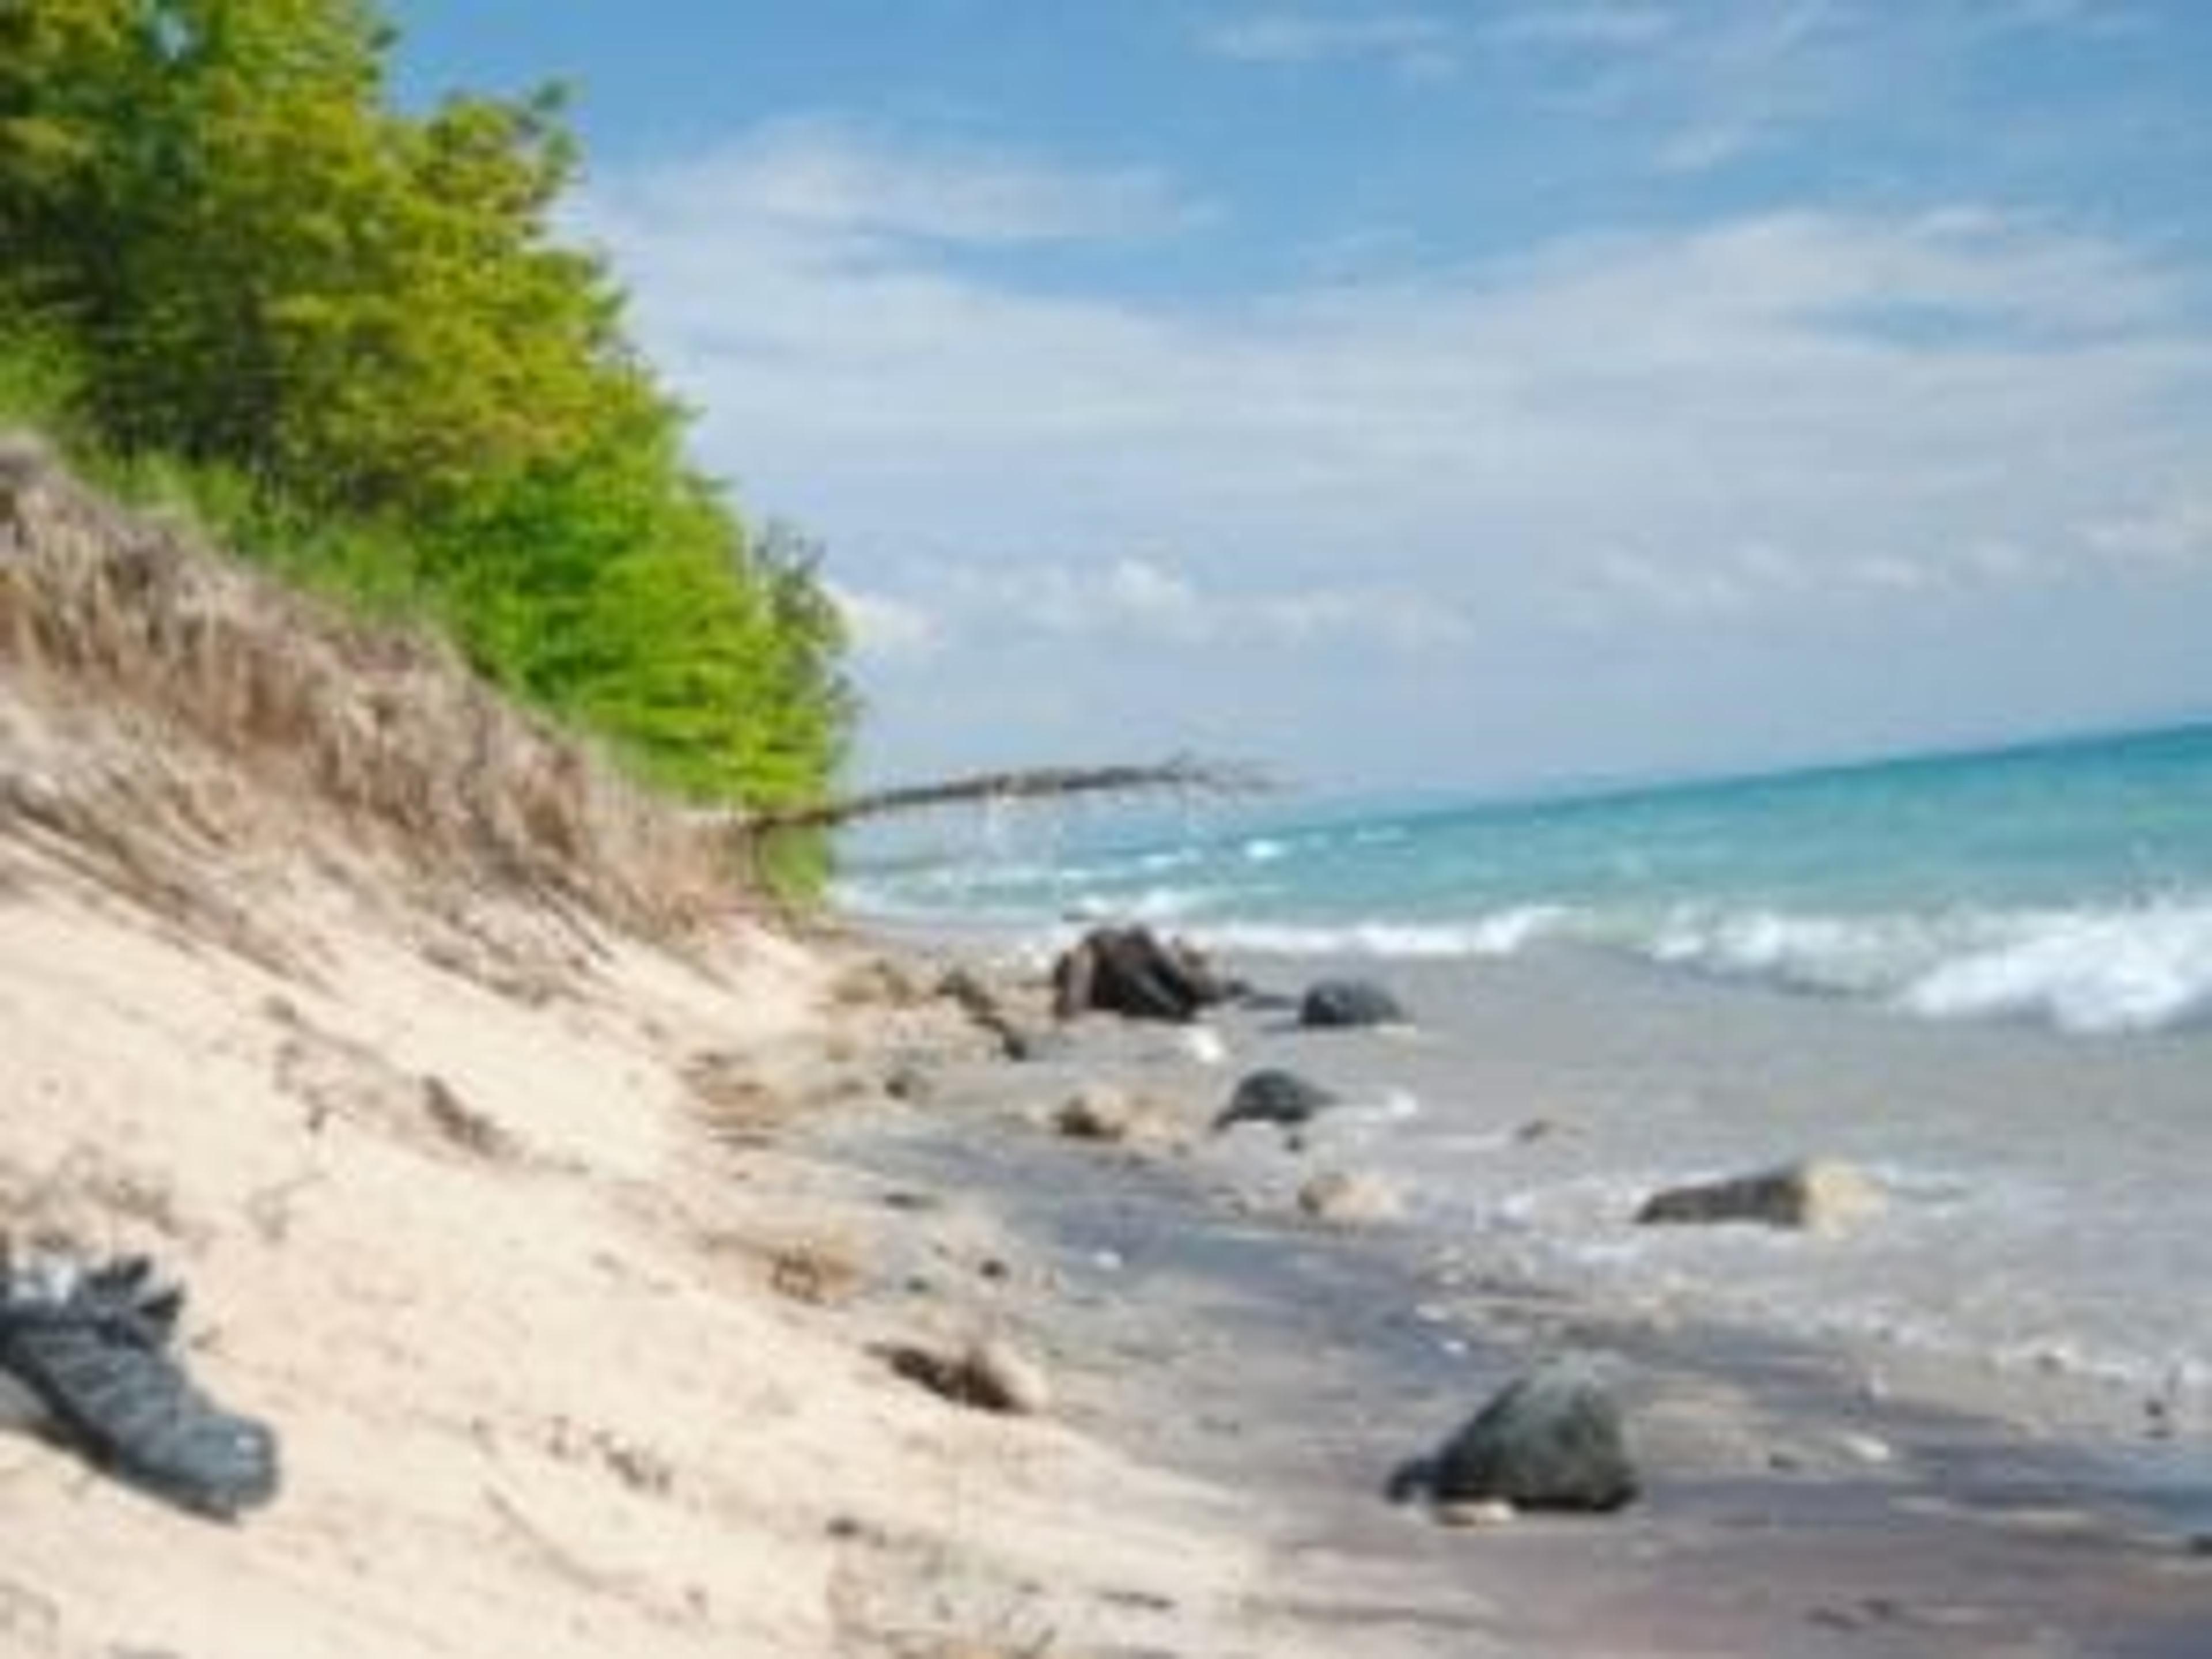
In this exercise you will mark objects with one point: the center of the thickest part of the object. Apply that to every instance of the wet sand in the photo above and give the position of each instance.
(1796, 1502)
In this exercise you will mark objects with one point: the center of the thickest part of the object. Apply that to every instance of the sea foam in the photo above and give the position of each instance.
(2144, 968)
(2126, 968)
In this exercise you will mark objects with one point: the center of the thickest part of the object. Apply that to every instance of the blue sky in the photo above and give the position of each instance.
(1463, 396)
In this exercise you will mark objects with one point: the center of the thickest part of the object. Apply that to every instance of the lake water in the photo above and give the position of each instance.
(1986, 978)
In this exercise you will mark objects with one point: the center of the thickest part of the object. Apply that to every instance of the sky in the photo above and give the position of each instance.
(1457, 396)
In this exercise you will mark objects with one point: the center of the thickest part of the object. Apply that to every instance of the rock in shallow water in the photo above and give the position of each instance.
(1551, 1440)
(1098, 1112)
(1273, 1096)
(1350, 1198)
(1129, 971)
(1348, 1002)
(1101, 1112)
(1819, 1196)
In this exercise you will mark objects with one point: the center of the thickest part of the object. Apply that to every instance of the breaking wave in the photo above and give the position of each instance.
(2139, 967)
(2123, 969)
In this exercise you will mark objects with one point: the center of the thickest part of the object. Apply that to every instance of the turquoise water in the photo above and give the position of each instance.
(1986, 979)
(2069, 883)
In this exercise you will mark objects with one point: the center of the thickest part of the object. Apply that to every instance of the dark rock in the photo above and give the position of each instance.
(1344, 1002)
(1819, 1196)
(1551, 1440)
(1273, 1096)
(1131, 972)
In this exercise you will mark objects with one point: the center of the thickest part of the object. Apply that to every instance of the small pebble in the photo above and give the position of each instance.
(1867, 1449)
(1483, 1512)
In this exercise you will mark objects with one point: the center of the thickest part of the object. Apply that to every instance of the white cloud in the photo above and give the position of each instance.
(1605, 26)
(881, 625)
(823, 177)
(2174, 534)
(1702, 86)
(2094, 17)
(1139, 601)
(1156, 599)
(1413, 44)
(1395, 620)
(1738, 423)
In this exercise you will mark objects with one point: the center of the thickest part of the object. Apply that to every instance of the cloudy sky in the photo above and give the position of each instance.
(1469, 395)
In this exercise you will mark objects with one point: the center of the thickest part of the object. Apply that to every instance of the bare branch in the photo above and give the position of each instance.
(1181, 773)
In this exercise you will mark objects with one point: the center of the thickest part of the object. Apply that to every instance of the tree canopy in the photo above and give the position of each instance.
(253, 259)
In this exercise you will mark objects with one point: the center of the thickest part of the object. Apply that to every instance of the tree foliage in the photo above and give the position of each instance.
(254, 260)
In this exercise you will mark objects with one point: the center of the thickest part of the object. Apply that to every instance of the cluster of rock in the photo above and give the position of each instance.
(1135, 973)
(1553, 1438)
(1132, 972)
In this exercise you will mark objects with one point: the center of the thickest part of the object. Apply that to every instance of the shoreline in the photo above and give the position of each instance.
(1562, 1087)
(1799, 1497)
(574, 1275)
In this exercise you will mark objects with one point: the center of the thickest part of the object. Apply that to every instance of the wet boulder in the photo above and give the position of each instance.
(1097, 1112)
(1101, 1112)
(1350, 1198)
(1274, 1096)
(1132, 972)
(1820, 1195)
(1551, 1440)
(1349, 1002)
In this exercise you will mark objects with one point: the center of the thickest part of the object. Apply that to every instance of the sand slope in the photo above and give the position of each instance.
(441, 1068)
(457, 1217)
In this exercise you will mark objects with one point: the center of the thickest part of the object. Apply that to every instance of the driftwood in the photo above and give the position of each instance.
(1038, 783)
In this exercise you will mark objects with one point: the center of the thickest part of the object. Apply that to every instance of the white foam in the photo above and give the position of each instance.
(1173, 857)
(2139, 967)
(2144, 968)
(2125, 967)
(1499, 935)
(1154, 904)
(1205, 1045)
(1869, 955)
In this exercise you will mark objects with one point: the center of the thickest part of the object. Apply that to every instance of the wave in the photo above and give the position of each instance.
(2137, 966)
(2130, 967)
(1501, 934)
(2145, 966)
(2146, 970)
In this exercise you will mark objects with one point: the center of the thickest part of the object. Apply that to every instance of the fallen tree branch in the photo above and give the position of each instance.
(1182, 773)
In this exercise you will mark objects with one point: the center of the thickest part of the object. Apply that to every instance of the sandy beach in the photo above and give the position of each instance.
(623, 1273)
(588, 1358)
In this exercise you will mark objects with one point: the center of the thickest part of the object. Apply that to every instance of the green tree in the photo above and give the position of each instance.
(262, 266)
